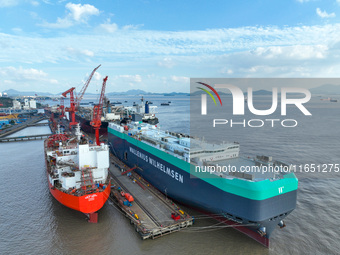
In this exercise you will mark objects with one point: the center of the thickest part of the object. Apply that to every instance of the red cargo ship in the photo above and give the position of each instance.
(77, 173)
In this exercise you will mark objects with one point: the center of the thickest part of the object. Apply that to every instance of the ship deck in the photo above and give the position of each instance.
(249, 169)
(150, 211)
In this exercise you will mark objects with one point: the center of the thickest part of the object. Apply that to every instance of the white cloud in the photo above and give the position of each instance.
(8, 3)
(147, 44)
(11, 3)
(97, 76)
(80, 12)
(166, 62)
(324, 14)
(301, 51)
(303, 1)
(34, 3)
(22, 74)
(296, 52)
(181, 79)
(77, 13)
(79, 53)
(128, 27)
(109, 27)
(131, 78)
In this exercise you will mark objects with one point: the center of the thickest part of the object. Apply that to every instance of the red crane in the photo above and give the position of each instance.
(97, 112)
(62, 108)
(82, 92)
(74, 102)
(72, 108)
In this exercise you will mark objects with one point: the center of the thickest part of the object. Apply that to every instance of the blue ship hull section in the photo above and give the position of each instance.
(195, 192)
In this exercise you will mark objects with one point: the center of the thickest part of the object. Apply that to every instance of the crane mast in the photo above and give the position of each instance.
(97, 112)
(62, 108)
(72, 108)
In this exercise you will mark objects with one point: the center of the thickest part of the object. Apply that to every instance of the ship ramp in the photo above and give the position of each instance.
(152, 214)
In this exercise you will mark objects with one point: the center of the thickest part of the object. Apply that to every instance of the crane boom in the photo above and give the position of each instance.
(82, 92)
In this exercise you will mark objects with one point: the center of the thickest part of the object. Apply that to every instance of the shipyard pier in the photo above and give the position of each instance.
(151, 212)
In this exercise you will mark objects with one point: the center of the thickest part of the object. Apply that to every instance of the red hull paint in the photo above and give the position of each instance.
(86, 204)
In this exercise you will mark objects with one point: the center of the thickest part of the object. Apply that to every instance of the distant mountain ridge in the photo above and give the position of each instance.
(13, 92)
(131, 92)
(326, 89)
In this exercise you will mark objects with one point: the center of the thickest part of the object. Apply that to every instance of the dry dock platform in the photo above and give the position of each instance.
(152, 214)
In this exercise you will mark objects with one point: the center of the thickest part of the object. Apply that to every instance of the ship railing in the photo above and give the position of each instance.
(155, 143)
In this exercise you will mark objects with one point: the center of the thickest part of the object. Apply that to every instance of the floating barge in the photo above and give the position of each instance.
(152, 214)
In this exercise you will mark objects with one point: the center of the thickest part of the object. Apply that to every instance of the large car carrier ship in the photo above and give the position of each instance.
(254, 202)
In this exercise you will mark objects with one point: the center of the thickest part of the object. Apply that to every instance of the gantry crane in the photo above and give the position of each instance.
(97, 112)
(74, 102)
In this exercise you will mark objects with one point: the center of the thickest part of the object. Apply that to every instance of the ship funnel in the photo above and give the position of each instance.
(108, 107)
(78, 133)
(147, 107)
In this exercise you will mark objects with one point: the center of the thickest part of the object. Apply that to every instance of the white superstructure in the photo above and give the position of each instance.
(179, 145)
(79, 164)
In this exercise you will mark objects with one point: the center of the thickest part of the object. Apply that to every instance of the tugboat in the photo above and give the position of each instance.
(77, 172)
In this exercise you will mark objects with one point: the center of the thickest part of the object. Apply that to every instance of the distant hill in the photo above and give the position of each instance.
(176, 94)
(134, 92)
(13, 92)
(326, 89)
(129, 92)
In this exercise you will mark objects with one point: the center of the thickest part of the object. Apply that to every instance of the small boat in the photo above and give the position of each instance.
(164, 104)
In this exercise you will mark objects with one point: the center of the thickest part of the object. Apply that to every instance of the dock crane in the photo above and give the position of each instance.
(62, 108)
(74, 102)
(97, 112)
(72, 108)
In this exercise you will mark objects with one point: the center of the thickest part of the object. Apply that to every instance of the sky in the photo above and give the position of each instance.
(157, 46)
